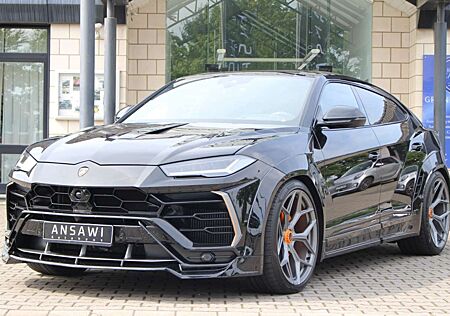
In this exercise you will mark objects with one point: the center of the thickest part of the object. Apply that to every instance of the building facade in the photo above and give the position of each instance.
(382, 41)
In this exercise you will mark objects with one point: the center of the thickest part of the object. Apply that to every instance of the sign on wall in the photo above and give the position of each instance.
(69, 95)
(428, 99)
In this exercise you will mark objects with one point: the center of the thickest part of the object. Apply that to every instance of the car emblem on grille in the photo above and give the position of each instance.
(82, 171)
(78, 195)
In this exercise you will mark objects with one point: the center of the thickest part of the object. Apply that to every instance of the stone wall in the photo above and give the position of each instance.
(398, 50)
(65, 57)
(391, 42)
(146, 50)
(397, 56)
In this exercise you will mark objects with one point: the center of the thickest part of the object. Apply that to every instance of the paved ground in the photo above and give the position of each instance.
(375, 281)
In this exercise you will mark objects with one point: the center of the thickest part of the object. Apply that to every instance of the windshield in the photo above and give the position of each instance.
(249, 99)
(410, 169)
(358, 168)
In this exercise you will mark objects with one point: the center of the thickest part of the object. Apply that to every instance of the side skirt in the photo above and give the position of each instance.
(352, 241)
(400, 226)
(394, 229)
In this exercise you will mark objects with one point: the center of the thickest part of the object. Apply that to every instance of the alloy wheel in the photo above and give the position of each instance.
(297, 243)
(439, 213)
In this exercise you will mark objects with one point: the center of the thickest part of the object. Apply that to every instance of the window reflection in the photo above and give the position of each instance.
(273, 100)
(21, 108)
(269, 29)
(23, 40)
(380, 110)
(336, 94)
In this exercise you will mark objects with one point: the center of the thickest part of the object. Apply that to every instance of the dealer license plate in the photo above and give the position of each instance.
(85, 234)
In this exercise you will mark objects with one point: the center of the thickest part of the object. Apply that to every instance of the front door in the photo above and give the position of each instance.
(350, 173)
(23, 93)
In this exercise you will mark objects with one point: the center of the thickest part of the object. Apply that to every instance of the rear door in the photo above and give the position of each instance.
(400, 157)
(347, 166)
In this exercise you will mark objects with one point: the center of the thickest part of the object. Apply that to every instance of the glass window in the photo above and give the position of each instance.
(388, 160)
(7, 163)
(22, 102)
(261, 99)
(23, 40)
(284, 31)
(336, 94)
(379, 109)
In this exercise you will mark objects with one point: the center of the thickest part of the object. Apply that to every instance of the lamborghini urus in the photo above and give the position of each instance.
(258, 175)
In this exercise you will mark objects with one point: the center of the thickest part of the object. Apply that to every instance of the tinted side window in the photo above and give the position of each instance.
(379, 109)
(335, 94)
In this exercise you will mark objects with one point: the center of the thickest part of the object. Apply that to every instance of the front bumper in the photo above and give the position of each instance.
(144, 242)
(139, 244)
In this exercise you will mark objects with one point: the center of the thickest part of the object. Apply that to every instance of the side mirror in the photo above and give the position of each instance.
(343, 116)
(122, 112)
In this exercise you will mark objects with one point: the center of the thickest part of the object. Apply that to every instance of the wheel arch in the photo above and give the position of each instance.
(305, 179)
(444, 173)
(431, 164)
(302, 169)
(434, 163)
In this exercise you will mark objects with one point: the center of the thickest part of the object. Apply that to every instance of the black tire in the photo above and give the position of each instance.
(423, 244)
(55, 270)
(273, 279)
(365, 184)
(409, 189)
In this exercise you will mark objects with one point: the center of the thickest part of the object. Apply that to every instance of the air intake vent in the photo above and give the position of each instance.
(204, 222)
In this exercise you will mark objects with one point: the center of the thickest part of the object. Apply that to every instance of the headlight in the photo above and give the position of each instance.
(209, 167)
(403, 178)
(26, 162)
(358, 175)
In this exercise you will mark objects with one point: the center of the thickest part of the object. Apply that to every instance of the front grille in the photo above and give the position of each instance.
(202, 217)
(104, 200)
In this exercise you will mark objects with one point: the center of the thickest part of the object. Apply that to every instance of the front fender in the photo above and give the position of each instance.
(291, 168)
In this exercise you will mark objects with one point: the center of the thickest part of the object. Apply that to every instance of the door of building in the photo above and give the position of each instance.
(24, 79)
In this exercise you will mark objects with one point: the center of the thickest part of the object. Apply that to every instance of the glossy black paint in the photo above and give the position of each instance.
(354, 214)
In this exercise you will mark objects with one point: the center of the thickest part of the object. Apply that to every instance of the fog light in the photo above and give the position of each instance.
(208, 257)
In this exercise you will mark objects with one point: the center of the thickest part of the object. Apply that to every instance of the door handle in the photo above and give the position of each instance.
(417, 147)
(374, 156)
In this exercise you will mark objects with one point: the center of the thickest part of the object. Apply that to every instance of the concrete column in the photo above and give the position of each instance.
(440, 70)
(87, 65)
(110, 63)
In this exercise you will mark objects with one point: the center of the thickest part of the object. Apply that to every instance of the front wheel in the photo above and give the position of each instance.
(365, 184)
(435, 220)
(292, 241)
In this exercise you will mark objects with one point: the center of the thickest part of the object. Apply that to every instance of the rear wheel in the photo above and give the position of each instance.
(55, 270)
(435, 220)
(291, 245)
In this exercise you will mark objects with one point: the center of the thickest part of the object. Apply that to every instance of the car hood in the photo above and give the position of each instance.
(152, 144)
